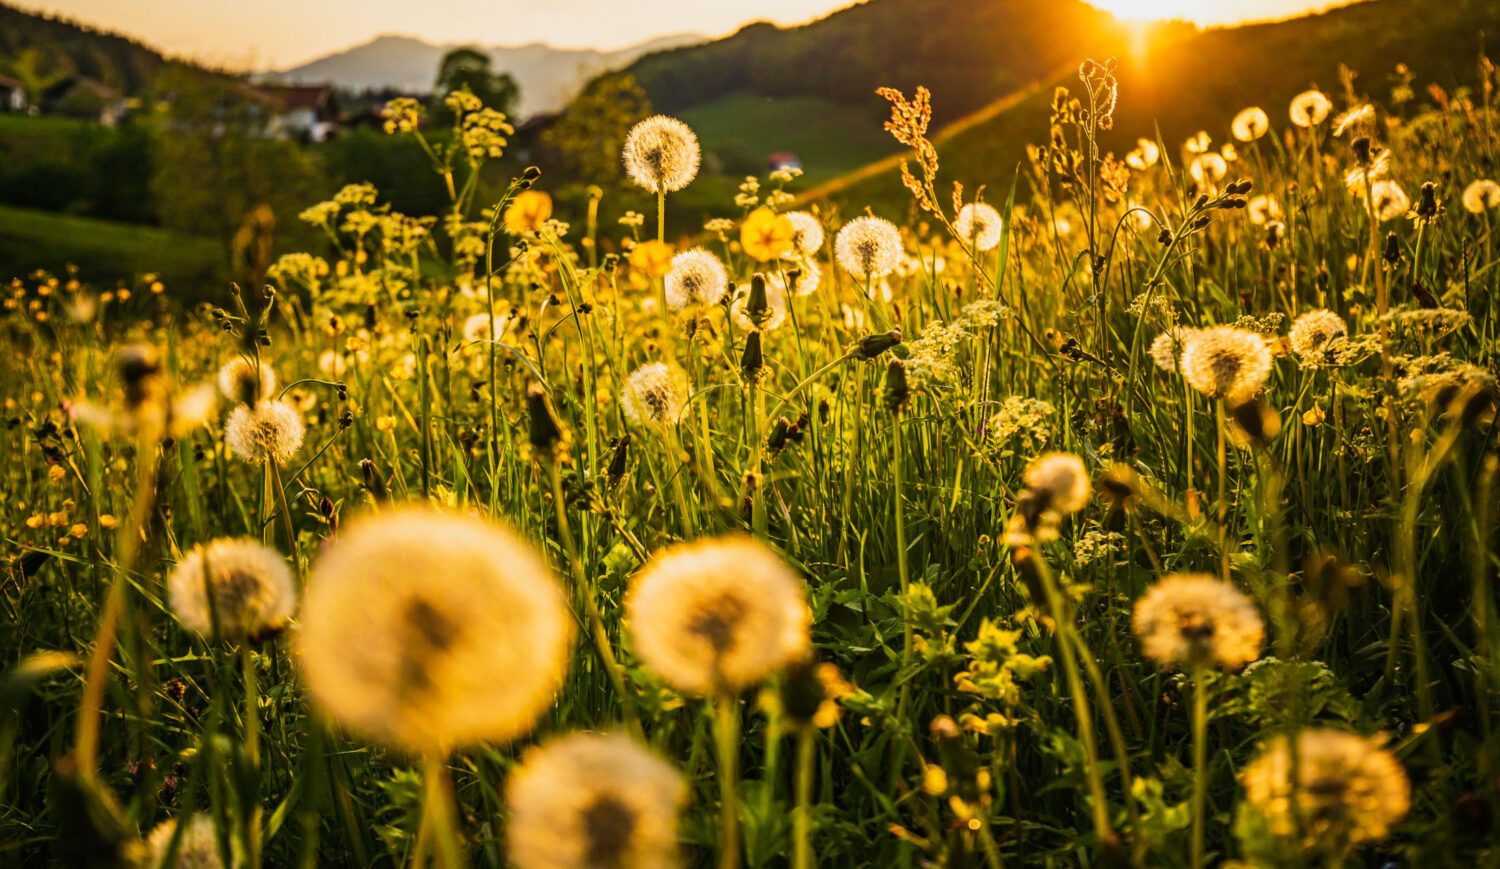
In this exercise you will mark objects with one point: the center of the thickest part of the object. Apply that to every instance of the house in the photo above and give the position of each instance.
(12, 95)
(783, 160)
(85, 98)
(306, 112)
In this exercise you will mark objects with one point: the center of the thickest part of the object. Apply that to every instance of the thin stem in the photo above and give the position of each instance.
(439, 814)
(1200, 756)
(726, 743)
(802, 853)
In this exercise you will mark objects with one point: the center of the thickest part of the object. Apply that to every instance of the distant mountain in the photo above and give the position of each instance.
(549, 77)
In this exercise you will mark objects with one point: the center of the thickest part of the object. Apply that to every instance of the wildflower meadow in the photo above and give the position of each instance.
(1140, 512)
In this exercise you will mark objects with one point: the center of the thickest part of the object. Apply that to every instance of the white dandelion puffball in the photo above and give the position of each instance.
(697, 278)
(253, 593)
(271, 431)
(238, 380)
(807, 234)
(428, 630)
(662, 154)
(1250, 124)
(718, 615)
(869, 248)
(979, 224)
(655, 395)
(1310, 108)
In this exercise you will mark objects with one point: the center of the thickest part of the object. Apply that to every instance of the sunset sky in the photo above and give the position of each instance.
(271, 34)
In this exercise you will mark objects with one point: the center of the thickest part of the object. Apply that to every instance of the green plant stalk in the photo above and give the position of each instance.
(802, 851)
(252, 812)
(903, 570)
(726, 745)
(1200, 761)
(439, 817)
(585, 592)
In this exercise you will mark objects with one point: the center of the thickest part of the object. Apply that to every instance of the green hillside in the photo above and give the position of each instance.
(105, 252)
(1201, 82)
(39, 50)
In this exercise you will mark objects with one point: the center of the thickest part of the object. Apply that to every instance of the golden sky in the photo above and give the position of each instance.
(269, 34)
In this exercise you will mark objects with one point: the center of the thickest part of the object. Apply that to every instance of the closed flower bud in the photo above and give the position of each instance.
(871, 346)
(545, 430)
(897, 392)
(752, 362)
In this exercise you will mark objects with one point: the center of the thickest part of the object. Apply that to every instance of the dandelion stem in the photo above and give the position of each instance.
(438, 813)
(726, 743)
(802, 853)
(1200, 756)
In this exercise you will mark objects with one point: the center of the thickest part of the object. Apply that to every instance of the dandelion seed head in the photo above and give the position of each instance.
(1349, 789)
(979, 224)
(198, 848)
(238, 380)
(1062, 480)
(655, 395)
(253, 592)
(807, 234)
(271, 431)
(718, 615)
(1313, 334)
(1263, 209)
(427, 630)
(1481, 196)
(1226, 362)
(1166, 348)
(1250, 124)
(662, 154)
(869, 248)
(484, 327)
(591, 800)
(1309, 108)
(697, 277)
(1390, 201)
(1193, 619)
(1208, 168)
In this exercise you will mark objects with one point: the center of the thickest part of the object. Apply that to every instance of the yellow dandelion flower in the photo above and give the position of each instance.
(696, 277)
(1349, 789)
(1250, 124)
(1481, 196)
(869, 248)
(655, 395)
(528, 212)
(807, 234)
(1226, 362)
(979, 224)
(1309, 108)
(589, 800)
(429, 630)
(1193, 619)
(766, 235)
(1313, 333)
(718, 615)
(271, 431)
(652, 258)
(239, 381)
(253, 593)
(662, 154)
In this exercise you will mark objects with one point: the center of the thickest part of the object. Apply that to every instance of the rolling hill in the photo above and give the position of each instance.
(1202, 81)
(548, 77)
(38, 50)
(809, 90)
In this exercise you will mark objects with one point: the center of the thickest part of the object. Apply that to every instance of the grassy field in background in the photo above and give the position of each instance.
(106, 252)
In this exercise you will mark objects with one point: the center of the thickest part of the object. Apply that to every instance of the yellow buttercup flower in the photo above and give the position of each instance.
(766, 235)
(652, 258)
(528, 212)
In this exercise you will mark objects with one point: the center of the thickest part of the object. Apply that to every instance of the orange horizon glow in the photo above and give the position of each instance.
(1208, 13)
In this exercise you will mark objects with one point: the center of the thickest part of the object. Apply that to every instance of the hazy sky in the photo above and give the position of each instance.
(262, 34)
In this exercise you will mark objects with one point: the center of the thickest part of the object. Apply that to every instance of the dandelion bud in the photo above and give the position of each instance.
(1202, 221)
(545, 430)
(532, 173)
(897, 391)
(1392, 252)
(617, 459)
(1427, 205)
(872, 346)
(1362, 152)
(1258, 421)
(374, 482)
(776, 441)
(810, 694)
(1201, 201)
(757, 308)
(751, 361)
